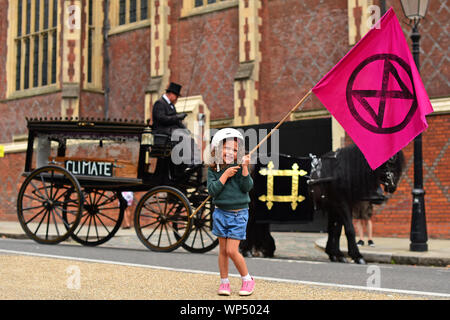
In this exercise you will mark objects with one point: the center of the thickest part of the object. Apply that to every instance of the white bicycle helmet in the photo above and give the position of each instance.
(222, 135)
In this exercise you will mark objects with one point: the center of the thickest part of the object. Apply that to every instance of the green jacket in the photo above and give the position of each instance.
(234, 194)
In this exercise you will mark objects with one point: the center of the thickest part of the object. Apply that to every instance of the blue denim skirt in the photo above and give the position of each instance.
(230, 224)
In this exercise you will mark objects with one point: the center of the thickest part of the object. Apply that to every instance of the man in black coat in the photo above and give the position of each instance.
(167, 121)
(165, 116)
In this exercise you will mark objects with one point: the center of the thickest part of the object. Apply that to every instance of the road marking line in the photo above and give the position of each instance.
(400, 291)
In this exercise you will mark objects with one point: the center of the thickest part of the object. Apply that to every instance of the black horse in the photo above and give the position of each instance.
(339, 180)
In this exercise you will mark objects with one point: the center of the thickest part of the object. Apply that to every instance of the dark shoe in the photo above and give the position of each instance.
(360, 261)
(247, 254)
(360, 243)
(333, 258)
(342, 259)
(370, 243)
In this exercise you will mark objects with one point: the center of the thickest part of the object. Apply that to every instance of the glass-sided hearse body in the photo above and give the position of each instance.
(74, 176)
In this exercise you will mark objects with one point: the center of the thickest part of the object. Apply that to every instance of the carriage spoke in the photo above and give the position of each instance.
(153, 231)
(159, 205)
(209, 235)
(60, 215)
(48, 225)
(84, 221)
(195, 236)
(107, 217)
(158, 213)
(95, 226)
(107, 200)
(56, 224)
(160, 234)
(40, 222)
(89, 228)
(64, 194)
(51, 184)
(34, 199)
(37, 190)
(201, 237)
(150, 216)
(167, 233)
(45, 186)
(176, 231)
(26, 222)
(165, 205)
(145, 226)
(104, 226)
(100, 196)
(31, 208)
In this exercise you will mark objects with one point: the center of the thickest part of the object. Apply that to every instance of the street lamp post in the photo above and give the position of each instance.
(415, 10)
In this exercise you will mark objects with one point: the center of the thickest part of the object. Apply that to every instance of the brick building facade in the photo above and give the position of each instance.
(249, 60)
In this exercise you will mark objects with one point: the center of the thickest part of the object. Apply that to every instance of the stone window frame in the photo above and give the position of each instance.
(92, 50)
(191, 9)
(115, 11)
(34, 32)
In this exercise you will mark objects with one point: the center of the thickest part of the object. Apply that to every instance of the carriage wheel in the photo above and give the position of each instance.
(45, 196)
(201, 239)
(102, 216)
(162, 213)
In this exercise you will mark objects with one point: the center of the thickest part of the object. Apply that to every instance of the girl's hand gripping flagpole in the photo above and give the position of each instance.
(263, 140)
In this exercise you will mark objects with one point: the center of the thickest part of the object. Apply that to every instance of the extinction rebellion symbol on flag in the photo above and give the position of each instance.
(395, 73)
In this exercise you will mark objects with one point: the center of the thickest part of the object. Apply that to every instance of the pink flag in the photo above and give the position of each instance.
(376, 94)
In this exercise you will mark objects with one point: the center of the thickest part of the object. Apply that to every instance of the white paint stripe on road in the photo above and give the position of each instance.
(336, 285)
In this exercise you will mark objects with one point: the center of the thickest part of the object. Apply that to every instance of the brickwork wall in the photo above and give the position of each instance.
(129, 73)
(11, 169)
(302, 41)
(92, 105)
(13, 113)
(205, 57)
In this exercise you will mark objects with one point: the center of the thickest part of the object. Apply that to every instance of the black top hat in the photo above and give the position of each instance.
(174, 88)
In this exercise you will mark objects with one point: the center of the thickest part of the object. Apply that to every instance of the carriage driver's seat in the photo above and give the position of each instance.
(162, 145)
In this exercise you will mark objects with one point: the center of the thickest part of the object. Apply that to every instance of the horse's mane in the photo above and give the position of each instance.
(353, 175)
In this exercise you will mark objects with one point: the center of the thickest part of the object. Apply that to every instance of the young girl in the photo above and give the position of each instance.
(229, 184)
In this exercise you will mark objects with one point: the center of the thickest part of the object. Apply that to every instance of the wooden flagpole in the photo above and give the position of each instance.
(263, 140)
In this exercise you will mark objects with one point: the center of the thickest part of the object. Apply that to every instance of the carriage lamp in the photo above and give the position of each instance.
(415, 10)
(147, 137)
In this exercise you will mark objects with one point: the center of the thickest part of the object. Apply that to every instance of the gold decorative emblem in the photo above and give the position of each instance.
(294, 198)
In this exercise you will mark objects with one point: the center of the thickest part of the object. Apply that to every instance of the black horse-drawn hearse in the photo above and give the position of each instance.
(76, 169)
